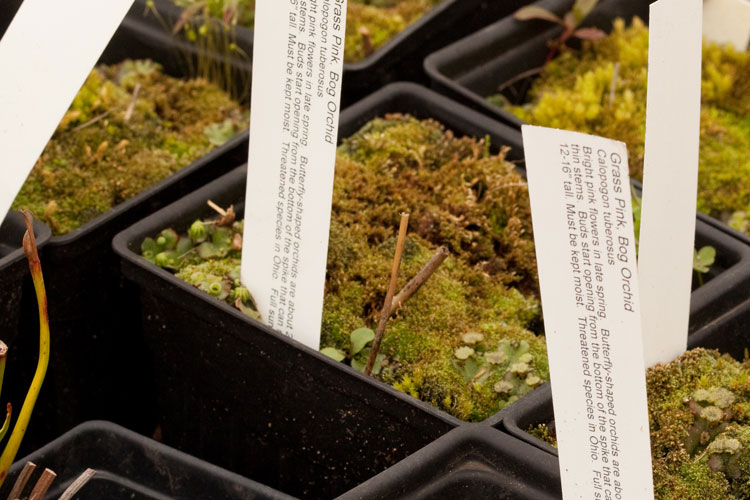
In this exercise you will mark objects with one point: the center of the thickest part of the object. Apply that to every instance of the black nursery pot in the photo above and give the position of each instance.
(132, 467)
(276, 385)
(470, 462)
(472, 68)
(729, 334)
(401, 58)
(93, 313)
(228, 384)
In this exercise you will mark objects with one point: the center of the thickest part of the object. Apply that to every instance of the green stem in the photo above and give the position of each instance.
(19, 429)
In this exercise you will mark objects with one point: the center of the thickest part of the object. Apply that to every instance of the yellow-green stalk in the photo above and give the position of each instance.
(19, 429)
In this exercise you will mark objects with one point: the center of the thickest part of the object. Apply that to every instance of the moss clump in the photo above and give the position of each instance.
(370, 24)
(114, 141)
(699, 412)
(699, 415)
(482, 298)
(574, 90)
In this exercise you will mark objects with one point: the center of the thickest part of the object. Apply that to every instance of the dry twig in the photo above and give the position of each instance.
(385, 313)
(418, 280)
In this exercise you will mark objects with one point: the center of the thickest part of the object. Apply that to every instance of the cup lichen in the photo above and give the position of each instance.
(129, 126)
(601, 89)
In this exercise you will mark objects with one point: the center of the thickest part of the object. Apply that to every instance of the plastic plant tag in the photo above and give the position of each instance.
(583, 232)
(727, 21)
(670, 176)
(294, 113)
(45, 55)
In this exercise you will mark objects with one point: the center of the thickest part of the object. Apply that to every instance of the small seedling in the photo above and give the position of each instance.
(359, 351)
(570, 23)
(22, 422)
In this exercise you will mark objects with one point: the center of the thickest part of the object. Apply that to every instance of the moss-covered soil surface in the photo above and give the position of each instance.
(464, 341)
(129, 127)
(370, 24)
(699, 414)
(601, 89)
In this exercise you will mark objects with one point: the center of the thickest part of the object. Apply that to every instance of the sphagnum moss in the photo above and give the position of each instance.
(463, 342)
(129, 126)
(573, 92)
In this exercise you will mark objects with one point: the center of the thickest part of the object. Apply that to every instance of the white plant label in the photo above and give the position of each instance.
(670, 176)
(294, 113)
(727, 21)
(45, 55)
(583, 232)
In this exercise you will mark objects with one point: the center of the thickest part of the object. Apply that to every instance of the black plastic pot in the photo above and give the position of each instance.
(7, 12)
(195, 339)
(132, 467)
(473, 68)
(401, 58)
(93, 313)
(347, 427)
(729, 334)
(470, 462)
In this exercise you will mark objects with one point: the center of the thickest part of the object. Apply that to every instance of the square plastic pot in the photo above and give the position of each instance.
(728, 333)
(93, 312)
(196, 341)
(132, 467)
(473, 68)
(399, 59)
(468, 463)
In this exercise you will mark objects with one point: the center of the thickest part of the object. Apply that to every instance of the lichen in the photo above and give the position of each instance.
(129, 126)
(576, 92)
(378, 21)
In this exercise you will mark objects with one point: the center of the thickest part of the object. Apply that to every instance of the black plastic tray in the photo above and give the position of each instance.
(132, 467)
(193, 337)
(471, 462)
(93, 312)
(401, 58)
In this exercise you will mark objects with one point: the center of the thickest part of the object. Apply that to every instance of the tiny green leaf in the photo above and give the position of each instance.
(464, 352)
(360, 338)
(219, 133)
(533, 12)
(582, 8)
(472, 338)
(334, 353)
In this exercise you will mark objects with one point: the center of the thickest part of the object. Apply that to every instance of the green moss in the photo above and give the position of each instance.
(458, 195)
(99, 156)
(574, 92)
(699, 415)
(378, 21)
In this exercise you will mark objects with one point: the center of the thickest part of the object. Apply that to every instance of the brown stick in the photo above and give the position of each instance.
(418, 280)
(42, 485)
(131, 105)
(91, 122)
(385, 313)
(77, 484)
(366, 41)
(21, 480)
